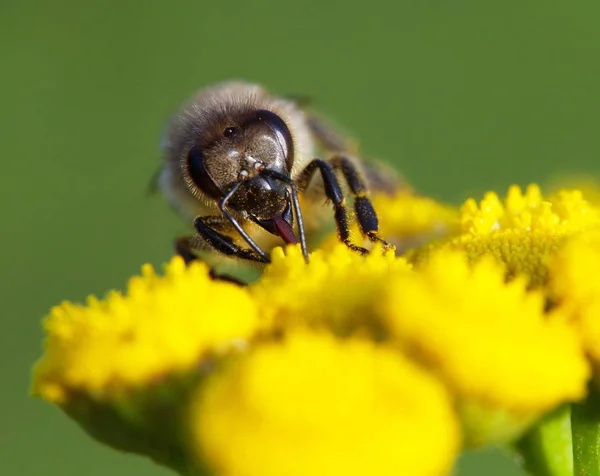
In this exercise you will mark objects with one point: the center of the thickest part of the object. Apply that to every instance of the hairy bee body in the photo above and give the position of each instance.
(213, 109)
(240, 161)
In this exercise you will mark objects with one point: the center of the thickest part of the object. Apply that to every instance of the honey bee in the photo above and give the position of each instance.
(238, 161)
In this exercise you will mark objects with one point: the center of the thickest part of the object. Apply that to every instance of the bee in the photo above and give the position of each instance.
(238, 160)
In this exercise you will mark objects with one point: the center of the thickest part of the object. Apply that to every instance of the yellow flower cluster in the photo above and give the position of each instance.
(163, 324)
(523, 231)
(335, 291)
(351, 364)
(504, 358)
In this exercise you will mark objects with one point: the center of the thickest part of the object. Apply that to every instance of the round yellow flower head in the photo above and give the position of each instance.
(335, 290)
(575, 286)
(523, 231)
(408, 220)
(163, 324)
(312, 404)
(489, 340)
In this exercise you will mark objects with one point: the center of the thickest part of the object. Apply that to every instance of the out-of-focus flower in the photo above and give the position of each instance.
(313, 404)
(575, 288)
(409, 220)
(351, 364)
(506, 361)
(161, 326)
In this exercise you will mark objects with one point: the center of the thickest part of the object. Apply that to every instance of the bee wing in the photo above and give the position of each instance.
(383, 178)
(380, 176)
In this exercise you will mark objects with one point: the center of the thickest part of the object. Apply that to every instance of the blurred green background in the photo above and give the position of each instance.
(462, 95)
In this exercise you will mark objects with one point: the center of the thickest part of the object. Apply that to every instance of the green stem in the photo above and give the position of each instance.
(585, 426)
(546, 449)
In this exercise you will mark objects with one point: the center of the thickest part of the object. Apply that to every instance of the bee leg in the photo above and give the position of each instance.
(184, 248)
(363, 208)
(333, 191)
(207, 229)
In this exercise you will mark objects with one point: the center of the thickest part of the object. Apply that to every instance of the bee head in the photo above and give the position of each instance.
(247, 160)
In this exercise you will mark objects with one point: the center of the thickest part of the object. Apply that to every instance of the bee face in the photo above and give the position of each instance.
(229, 144)
(257, 142)
(236, 155)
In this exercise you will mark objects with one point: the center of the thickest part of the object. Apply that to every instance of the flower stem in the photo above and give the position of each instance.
(546, 449)
(585, 427)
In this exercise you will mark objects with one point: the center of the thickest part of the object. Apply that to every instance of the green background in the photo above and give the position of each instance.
(462, 95)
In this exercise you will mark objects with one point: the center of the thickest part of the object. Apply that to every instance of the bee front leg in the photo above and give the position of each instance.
(333, 191)
(363, 208)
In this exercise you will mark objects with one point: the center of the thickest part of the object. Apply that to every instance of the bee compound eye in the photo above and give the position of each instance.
(196, 162)
(229, 131)
(199, 175)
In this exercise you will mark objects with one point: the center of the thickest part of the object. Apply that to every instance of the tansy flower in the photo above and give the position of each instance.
(335, 291)
(312, 404)
(523, 231)
(408, 220)
(575, 287)
(505, 360)
(349, 364)
(161, 325)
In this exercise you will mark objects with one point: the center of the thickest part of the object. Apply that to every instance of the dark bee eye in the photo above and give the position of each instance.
(199, 175)
(281, 131)
(229, 131)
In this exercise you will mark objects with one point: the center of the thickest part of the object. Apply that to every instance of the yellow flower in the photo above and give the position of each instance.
(489, 340)
(587, 184)
(351, 363)
(315, 405)
(336, 290)
(523, 231)
(164, 324)
(409, 220)
(576, 288)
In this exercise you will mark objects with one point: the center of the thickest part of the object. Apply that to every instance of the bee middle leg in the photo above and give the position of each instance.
(209, 229)
(184, 249)
(211, 236)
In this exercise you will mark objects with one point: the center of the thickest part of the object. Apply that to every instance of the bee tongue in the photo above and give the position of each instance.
(285, 230)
